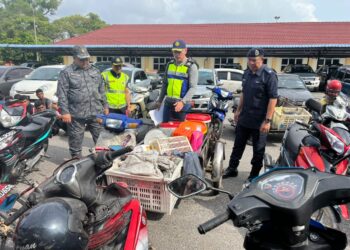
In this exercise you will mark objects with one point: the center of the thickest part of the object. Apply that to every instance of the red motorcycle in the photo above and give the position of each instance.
(315, 145)
(70, 211)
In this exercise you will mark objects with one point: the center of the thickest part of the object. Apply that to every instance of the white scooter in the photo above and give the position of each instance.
(142, 100)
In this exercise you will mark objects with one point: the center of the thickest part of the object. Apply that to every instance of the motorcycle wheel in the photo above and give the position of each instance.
(326, 217)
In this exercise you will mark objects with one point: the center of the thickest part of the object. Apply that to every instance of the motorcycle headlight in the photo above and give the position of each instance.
(7, 120)
(6, 139)
(113, 123)
(336, 144)
(283, 187)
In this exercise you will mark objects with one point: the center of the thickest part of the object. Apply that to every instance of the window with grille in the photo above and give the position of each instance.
(159, 63)
(104, 58)
(327, 61)
(134, 60)
(286, 61)
(224, 62)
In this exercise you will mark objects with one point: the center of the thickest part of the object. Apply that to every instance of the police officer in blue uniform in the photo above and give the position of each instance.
(254, 112)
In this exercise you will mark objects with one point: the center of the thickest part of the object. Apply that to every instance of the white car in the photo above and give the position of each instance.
(44, 78)
(231, 79)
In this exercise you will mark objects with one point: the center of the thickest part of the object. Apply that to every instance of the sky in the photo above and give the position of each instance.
(204, 11)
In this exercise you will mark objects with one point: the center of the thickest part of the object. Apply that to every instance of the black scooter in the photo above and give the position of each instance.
(276, 208)
(24, 140)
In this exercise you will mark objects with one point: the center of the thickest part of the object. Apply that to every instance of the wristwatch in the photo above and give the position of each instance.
(267, 120)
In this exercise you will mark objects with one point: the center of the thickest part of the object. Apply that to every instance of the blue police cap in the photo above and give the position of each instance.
(179, 45)
(254, 52)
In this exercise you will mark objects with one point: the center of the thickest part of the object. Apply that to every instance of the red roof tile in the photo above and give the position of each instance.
(218, 34)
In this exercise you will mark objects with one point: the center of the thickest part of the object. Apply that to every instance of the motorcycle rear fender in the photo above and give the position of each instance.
(138, 220)
(310, 157)
(219, 156)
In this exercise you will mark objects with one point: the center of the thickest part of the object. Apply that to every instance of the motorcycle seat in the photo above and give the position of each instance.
(294, 139)
(35, 128)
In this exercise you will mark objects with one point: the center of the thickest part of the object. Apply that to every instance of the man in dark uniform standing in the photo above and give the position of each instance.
(254, 112)
(81, 96)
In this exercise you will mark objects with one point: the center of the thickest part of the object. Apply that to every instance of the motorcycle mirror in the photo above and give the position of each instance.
(187, 185)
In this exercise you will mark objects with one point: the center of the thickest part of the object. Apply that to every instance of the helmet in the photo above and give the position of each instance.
(56, 223)
(333, 88)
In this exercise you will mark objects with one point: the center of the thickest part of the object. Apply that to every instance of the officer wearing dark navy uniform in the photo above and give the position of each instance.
(254, 112)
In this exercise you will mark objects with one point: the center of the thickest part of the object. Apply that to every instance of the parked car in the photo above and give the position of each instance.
(137, 77)
(206, 78)
(44, 78)
(306, 73)
(32, 64)
(290, 87)
(326, 72)
(9, 75)
(102, 66)
(343, 74)
(156, 80)
(231, 79)
(293, 88)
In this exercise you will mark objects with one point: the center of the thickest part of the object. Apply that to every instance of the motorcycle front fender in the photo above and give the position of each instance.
(218, 161)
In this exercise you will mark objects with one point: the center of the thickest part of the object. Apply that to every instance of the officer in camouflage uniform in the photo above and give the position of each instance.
(81, 96)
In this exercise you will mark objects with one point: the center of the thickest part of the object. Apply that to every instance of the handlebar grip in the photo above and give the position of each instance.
(214, 222)
(17, 214)
(114, 154)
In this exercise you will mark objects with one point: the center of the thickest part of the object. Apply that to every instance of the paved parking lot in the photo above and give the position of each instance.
(179, 230)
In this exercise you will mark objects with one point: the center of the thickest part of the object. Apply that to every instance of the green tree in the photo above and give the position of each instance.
(27, 22)
(71, 26)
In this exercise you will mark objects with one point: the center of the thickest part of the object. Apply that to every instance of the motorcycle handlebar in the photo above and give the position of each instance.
(214, 222)
(17, 214)
(114, 154)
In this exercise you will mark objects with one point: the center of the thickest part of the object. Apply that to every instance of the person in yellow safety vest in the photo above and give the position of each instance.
(117, 92)
(180, 81)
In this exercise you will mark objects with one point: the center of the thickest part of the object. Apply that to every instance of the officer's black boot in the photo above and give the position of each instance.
(230, 172)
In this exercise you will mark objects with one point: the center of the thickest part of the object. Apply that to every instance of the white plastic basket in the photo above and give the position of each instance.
(152, 192)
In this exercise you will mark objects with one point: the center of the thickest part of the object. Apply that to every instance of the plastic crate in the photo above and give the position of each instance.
(167, 146)
(152, 192)
(284, 116)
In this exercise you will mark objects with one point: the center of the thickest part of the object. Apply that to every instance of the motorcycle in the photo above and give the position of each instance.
(117, 123)
(70, 211)
(277, 208)
(142, 100)
(314, 145)
(23, 139)
(218, 107)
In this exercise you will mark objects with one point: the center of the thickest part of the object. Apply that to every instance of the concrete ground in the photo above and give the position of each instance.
(179, 230)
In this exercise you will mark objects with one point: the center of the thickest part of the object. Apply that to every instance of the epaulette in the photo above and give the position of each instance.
(269, 70)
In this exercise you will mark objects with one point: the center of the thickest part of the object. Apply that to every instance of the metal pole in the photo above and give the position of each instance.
(35, 36)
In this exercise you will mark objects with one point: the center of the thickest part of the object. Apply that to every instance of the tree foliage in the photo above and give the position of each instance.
(17, 25)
